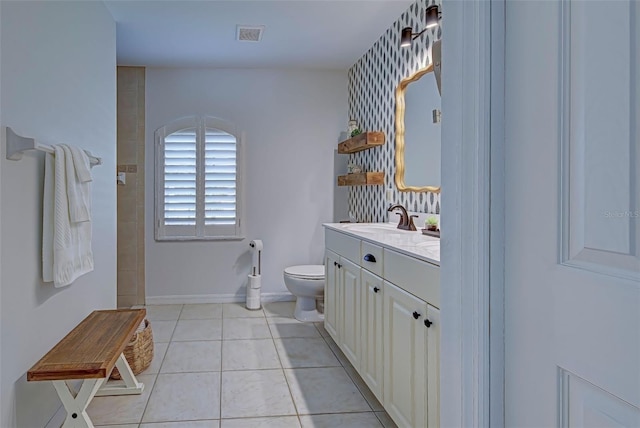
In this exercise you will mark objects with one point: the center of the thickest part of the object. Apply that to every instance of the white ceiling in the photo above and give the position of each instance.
(318, 34)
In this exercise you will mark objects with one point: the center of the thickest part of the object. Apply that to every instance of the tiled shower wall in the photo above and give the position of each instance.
(372, 83)
(131, 117)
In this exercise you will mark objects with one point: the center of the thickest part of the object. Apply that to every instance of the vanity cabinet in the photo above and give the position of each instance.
(381, 310)
(411, 362)
(342, 304)
(349, 309)
(371, 332)
(331, 301)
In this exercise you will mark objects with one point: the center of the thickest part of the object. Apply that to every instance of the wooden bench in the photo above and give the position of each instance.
(89, 353)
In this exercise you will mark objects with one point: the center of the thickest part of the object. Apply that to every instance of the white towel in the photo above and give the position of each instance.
(66, 241)
(78, 184)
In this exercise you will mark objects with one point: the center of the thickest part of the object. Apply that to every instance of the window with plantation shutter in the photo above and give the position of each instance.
(197, 186)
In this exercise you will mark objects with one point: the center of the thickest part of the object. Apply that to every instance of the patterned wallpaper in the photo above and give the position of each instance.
(372, 83)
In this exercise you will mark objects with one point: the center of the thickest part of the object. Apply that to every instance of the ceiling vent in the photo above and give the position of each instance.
(249, 33)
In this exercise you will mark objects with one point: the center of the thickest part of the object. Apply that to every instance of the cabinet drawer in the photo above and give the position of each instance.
(342, 244)
(374, 255)
(412, 275)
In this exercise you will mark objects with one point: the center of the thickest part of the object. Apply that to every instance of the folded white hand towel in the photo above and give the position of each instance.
(78, 188)
(66, 243)
(48, 214)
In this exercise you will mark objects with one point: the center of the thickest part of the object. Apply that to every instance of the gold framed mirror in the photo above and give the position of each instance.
(418, 133)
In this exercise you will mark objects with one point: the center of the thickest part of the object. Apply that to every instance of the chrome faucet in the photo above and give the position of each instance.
(406, 221)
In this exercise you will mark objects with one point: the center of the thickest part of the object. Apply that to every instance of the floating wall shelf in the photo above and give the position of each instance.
(361, 179)
(360, 142)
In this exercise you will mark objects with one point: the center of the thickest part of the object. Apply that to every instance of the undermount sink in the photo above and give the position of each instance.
(428, 244)
(373, 228)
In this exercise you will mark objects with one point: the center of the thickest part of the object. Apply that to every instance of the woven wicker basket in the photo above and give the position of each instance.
(139, 352)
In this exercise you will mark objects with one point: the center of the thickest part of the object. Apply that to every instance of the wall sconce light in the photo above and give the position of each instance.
(433, 15)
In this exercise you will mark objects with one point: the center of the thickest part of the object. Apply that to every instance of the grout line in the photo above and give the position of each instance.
(347, 370)
(334, 352)
(350, 412)
(164, 355)
(315, 324)
(178, 422)
(295, 406)
(173, 331)
(200, 319)
(252, 338)
(364, 385)
(244, 318)
(204, 371)
(269, 368)
(311, 415)
(388, 417)
(155, 382)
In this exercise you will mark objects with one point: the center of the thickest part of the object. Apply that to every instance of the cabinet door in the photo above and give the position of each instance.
(371, 363)
(331, 294)
(432, 322)
(405, 348)
(350, 312)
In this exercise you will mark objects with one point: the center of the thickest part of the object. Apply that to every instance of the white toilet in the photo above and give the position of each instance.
(306, 282)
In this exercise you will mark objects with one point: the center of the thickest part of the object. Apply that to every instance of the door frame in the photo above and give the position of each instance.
(472, 245)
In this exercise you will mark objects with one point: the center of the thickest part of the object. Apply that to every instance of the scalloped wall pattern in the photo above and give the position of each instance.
(372, 83)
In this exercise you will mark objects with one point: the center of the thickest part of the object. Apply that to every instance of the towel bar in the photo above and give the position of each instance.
(17, 144)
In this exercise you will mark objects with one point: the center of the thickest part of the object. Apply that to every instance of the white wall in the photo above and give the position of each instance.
(2, 412)
(292, 121)
(58, 85)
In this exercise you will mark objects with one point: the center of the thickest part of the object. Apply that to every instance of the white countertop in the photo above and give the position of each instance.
(387, 235)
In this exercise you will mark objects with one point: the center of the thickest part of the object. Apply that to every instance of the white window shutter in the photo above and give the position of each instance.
(180, 178)
(197, 186)
(220, 178)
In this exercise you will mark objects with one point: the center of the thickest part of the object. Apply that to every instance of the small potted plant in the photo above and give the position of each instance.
(431, 223)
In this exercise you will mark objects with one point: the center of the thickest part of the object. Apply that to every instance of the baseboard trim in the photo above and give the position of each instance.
(216, 298)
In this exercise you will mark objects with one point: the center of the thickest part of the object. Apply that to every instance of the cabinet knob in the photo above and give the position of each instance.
(339, 266)
(335, 263)
(416, 315)
(376, 289)
(369, 258)
(427, 323)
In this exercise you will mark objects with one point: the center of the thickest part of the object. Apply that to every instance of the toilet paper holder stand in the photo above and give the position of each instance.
(252, 244)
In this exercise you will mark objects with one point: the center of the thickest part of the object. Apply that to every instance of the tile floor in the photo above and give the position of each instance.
(223, 366)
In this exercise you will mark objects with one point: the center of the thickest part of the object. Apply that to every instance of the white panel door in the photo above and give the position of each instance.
(371, 362)
(572, 227)
(405, 358)
(331, 294)
(350, 309)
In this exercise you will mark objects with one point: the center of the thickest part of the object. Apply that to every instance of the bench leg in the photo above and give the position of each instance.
(76, 406)
(131, 384)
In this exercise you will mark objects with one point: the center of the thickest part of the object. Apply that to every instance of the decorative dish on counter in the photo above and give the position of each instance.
(434, 233)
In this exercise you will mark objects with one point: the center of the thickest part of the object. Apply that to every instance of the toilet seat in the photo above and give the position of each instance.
(306, 271)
